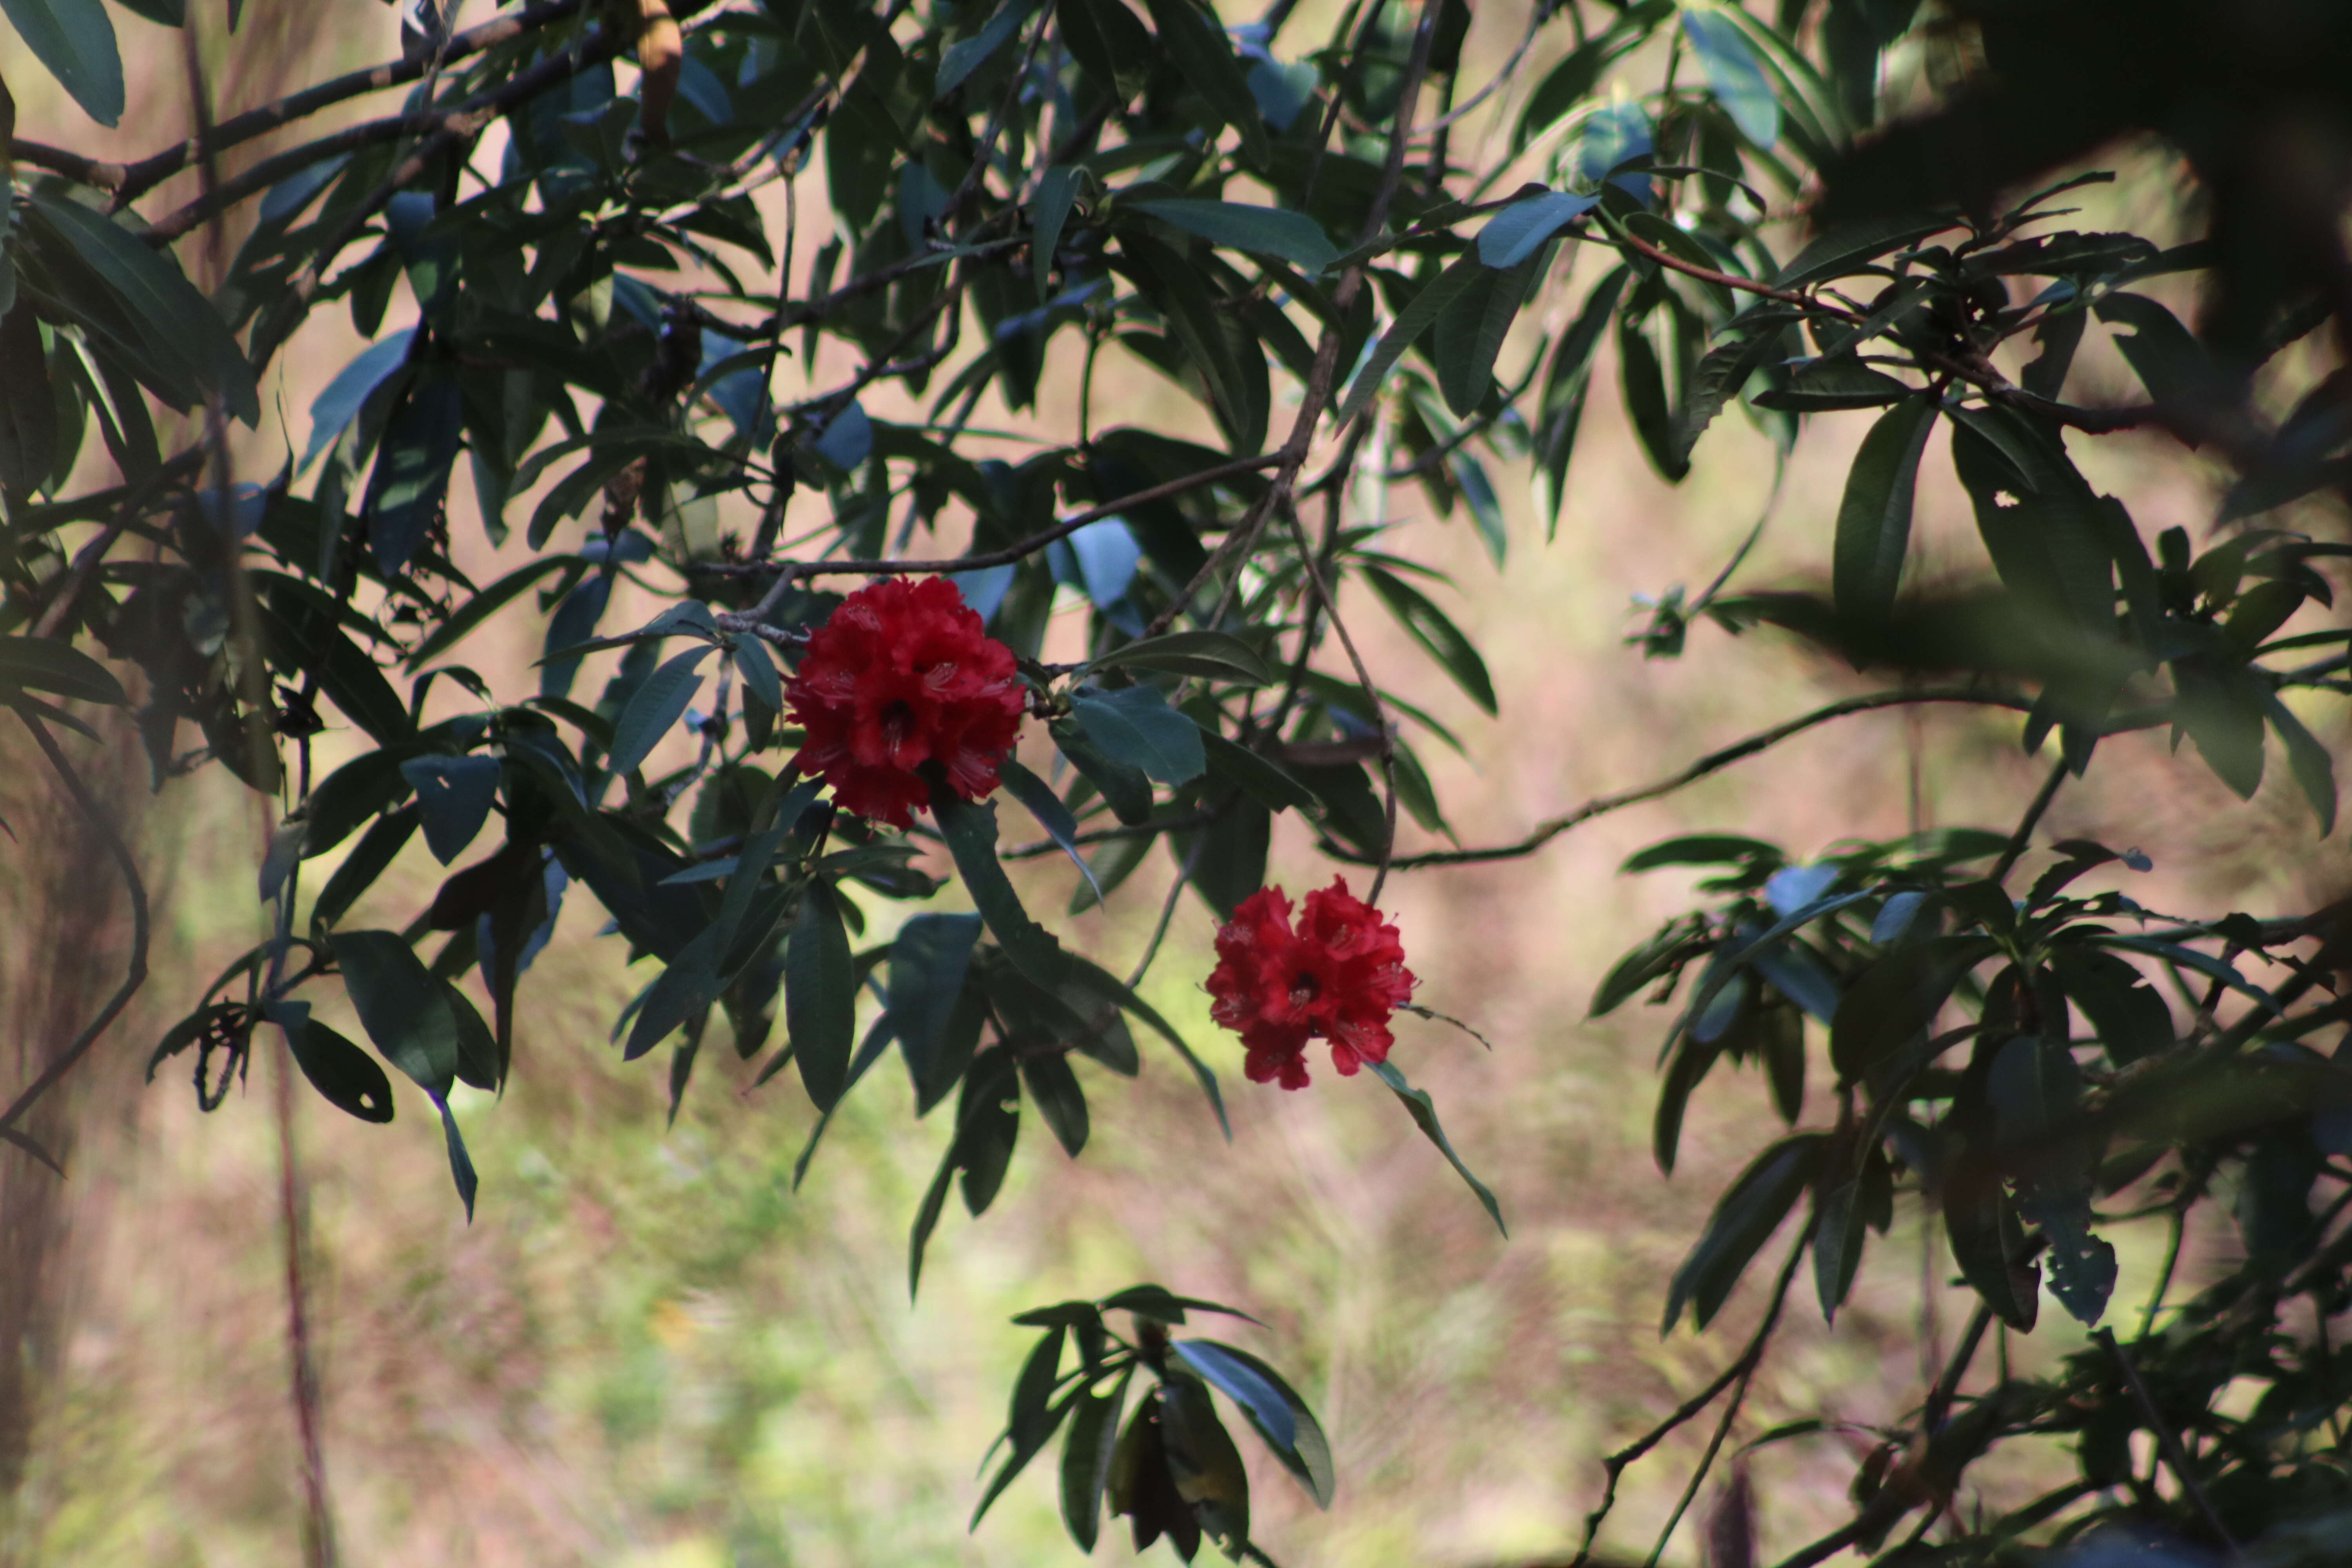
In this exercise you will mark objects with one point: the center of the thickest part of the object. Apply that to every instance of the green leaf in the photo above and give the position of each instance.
(1897, 999)
(1831, 384)
(1204, 1463)
(461, 1164)
(1733, 76)
(454, 794)
(1086, 1458)
(2130, 1020)
(384, 839)
(1644, 380)
(45, 664)
(1264, 231)
(1091, 979)
(1228, 360)
(1750, 1211)
(1136, 727)
(1266, 782)
(1109, 43)
(1470, 331)
(401, 1006)
(1057, 193)
(819, 995)
(1267, 1404)
(1213, 655)
(1424, 1112)
(1566, 385)
(964, 58)
(178, 326)
(969, 830)
(1052, 815)
(1436, 633)
(1874, 522)
(1519, 230)
(2307, 759)
(928, 961)
(1125, 789)
(1162, 1305)
(656, 709)
(1845, 247)
(1988, 1242)
(346, 1076)
(1197, 46)
(1308, 1455)
(1837, 1246)
(1411, 321)
(75, 39)
(1053, 1090)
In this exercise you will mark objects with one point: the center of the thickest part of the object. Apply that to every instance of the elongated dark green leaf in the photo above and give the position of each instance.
(1245, 1385)
(1211, 339)
(928, 963)
(1308, 1455)
(461, 1164)
(1266, 781)
(1897, 999)
(1873, 523)
(1845, 247)
(1109, 43)
(1051, 814)
(75, 39)
(1733, 76)
(1750, 1211)
(1211, 654)
(1057, 193)
(1424, 1112)
(179, 325)
(1085, 1459)
(1646, 403)
(1566, 384)
(969, 830)
(1837, 1246)
(2307, 759)
(1436, 632)
(401, 1006)
(1200, 50)
(1519, 230)
(344, 1075)
(45, 664)
(656, 709)
(1091, 979)
(820, 996)
(1125, 788)
(964, 57)
(1136, 726)
(1053, 1090)
(1469, 333)
(1411, 321)
(1265, 231)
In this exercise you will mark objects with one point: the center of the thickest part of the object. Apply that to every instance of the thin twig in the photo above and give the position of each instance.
(1714, 761)
(1738, 1371)
(2167, 1441)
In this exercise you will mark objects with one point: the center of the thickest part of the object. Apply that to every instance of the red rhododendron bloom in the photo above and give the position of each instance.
(1337, 975)
(903, 674)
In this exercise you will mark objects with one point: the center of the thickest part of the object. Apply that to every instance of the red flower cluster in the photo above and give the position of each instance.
(900, 676)
(1338, 975)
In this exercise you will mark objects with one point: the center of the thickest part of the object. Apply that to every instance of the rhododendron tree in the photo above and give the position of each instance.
(746, 311)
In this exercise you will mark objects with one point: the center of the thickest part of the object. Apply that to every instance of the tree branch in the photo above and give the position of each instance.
(1714, 761)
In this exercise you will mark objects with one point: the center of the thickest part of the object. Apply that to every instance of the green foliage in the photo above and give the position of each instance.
(604, 325)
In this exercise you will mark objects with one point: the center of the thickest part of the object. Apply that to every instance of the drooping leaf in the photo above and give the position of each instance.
(453, 795)
(1874, 522)
(401, 1006)
(344, 1075)
(46, 664)
(819, 995)
(1750, 1211)
(75, 39)
(969, 830)
(1436, 633)
(656, 709)
(1424, 1112)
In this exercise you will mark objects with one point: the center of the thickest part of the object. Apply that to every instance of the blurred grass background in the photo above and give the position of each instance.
(649, 1349)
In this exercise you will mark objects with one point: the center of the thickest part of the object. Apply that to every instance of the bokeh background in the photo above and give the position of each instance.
(648, 1348)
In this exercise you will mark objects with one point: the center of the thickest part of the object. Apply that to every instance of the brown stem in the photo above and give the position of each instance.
(1714, 761)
